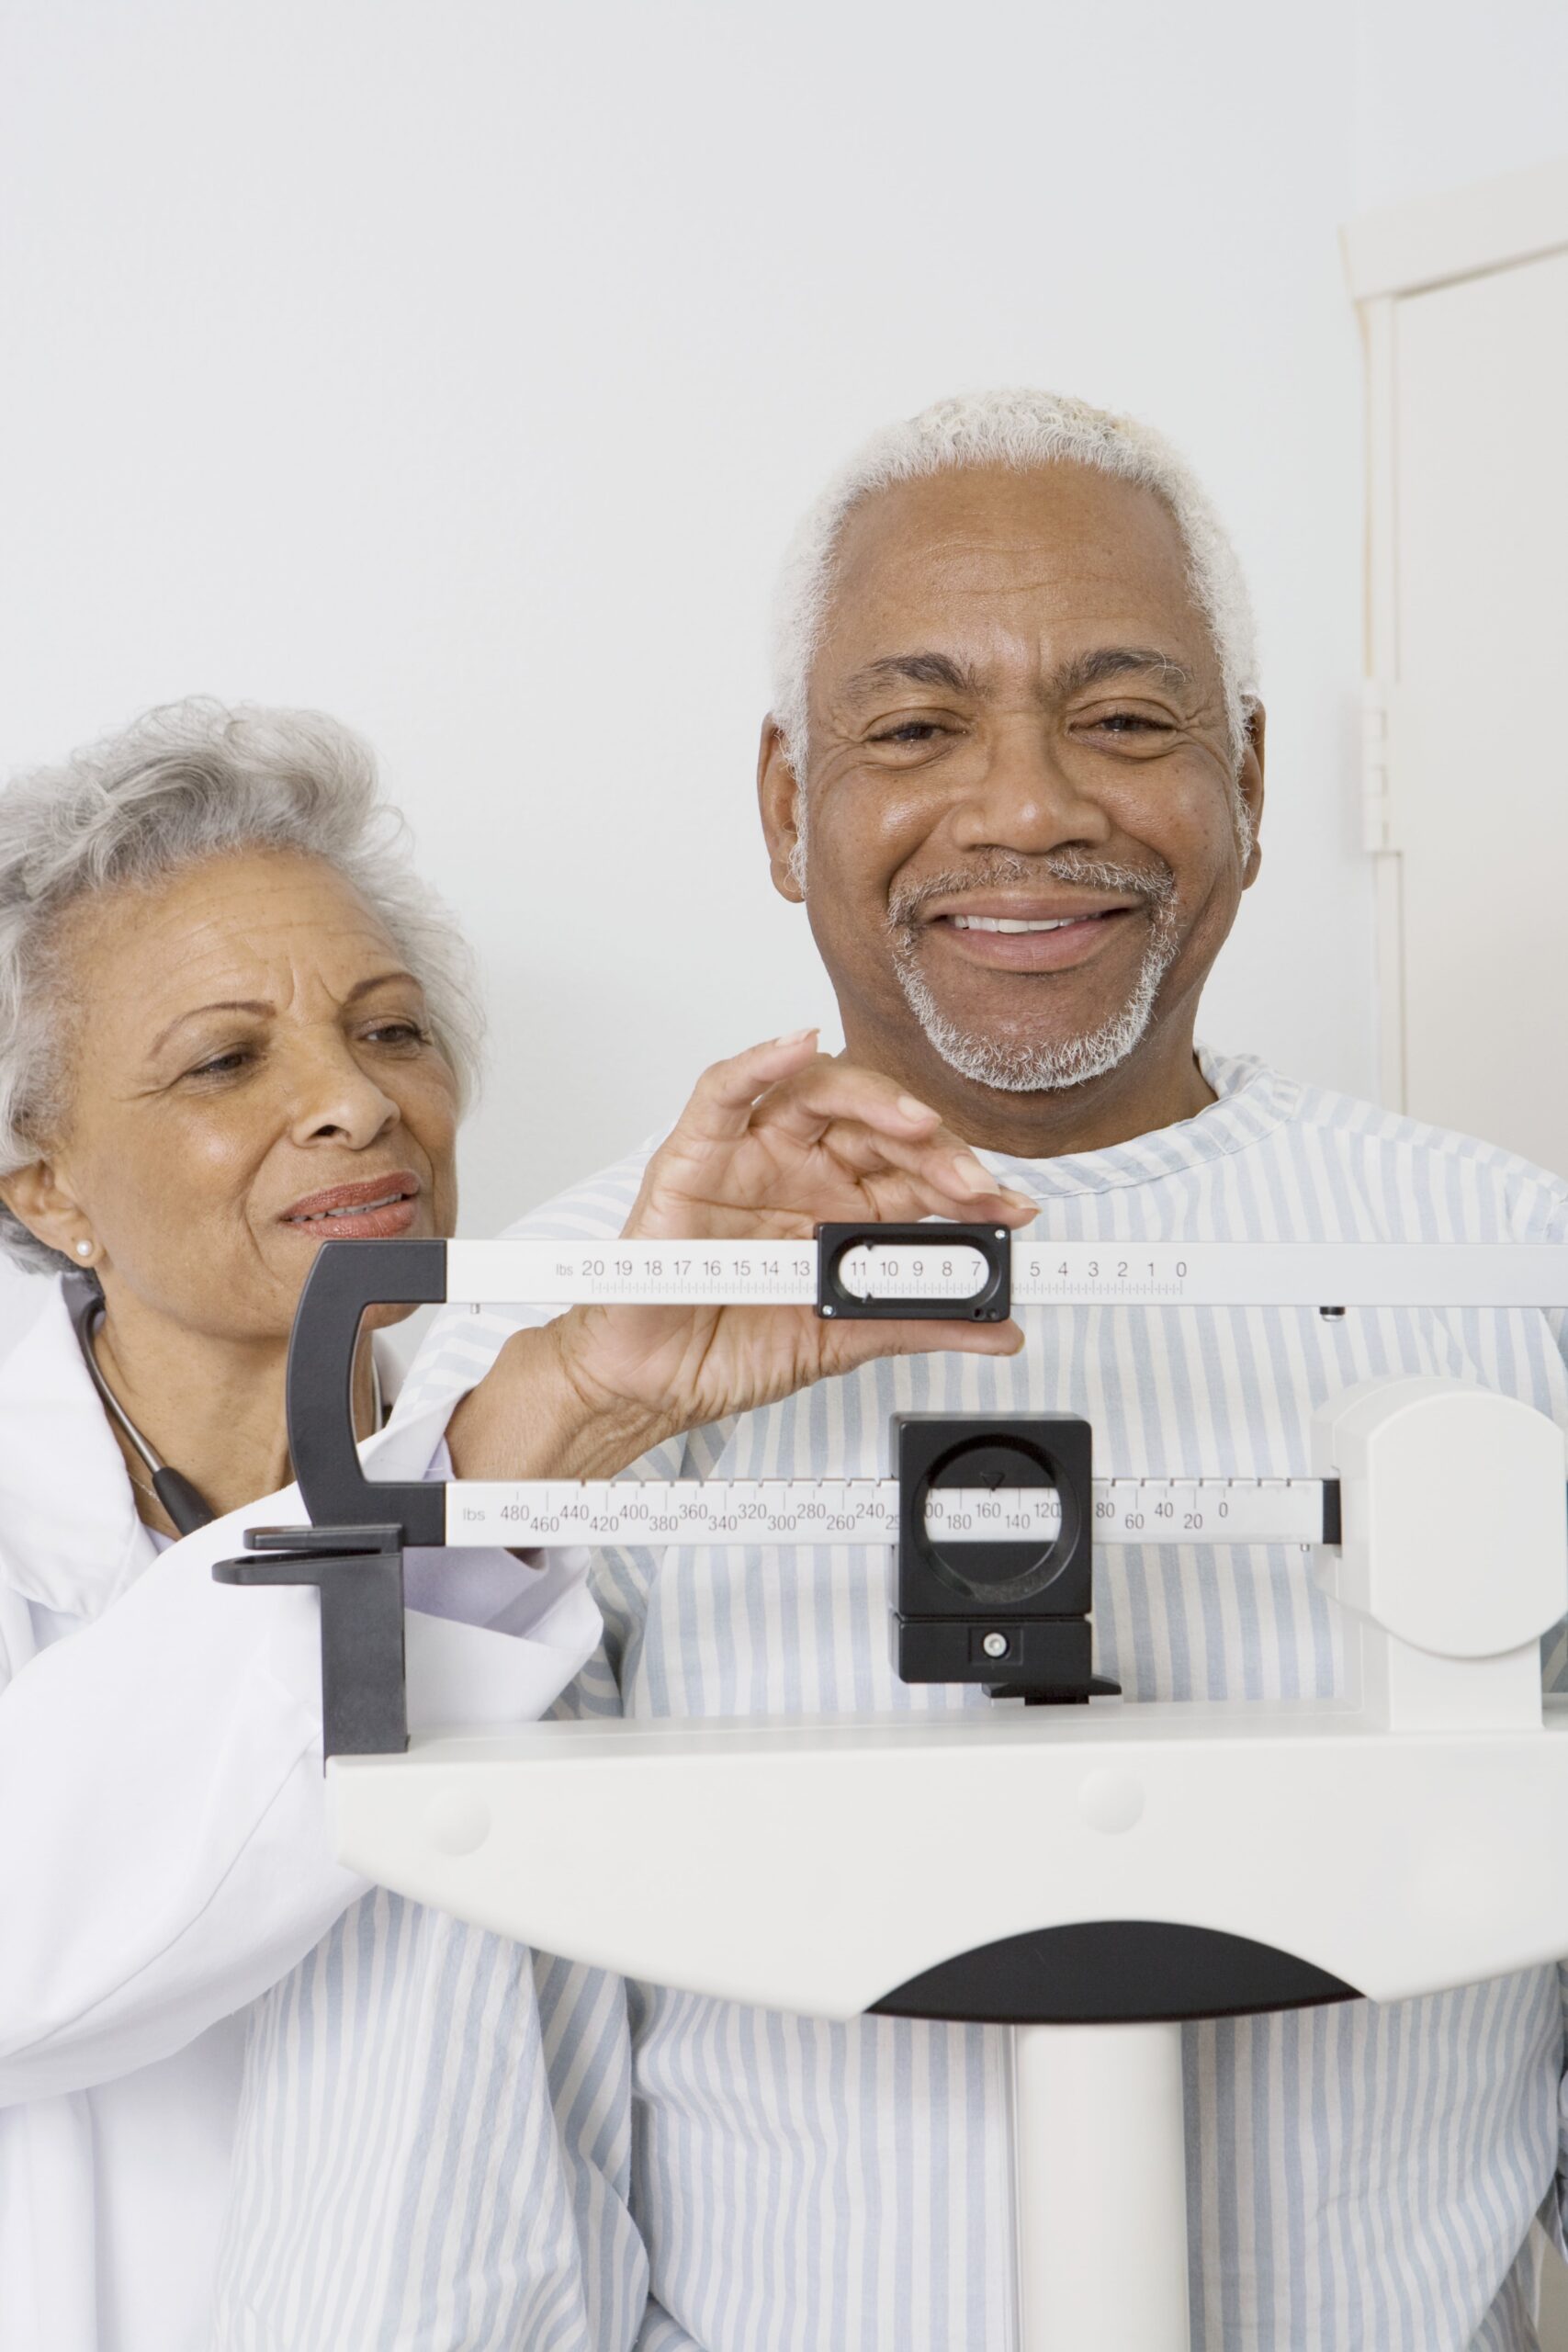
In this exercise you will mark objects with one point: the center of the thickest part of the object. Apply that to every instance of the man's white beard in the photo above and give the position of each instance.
(1026, 1066)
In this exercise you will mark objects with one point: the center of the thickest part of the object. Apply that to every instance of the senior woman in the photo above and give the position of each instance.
(231, 1023)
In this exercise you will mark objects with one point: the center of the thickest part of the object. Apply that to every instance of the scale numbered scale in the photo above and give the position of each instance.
(908, 1270)
(536, 1513)
(1181, 1861)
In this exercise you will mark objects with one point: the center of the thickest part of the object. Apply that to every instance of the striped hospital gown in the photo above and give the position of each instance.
(447, 2142)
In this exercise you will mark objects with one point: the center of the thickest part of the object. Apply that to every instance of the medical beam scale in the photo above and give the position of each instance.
(1088, 1873)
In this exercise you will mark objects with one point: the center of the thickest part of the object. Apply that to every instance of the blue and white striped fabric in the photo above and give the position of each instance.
(448, 2142)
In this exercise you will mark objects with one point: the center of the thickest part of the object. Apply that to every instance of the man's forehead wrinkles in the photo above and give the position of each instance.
(958, 672)
(1046, 548)
(1060, 570)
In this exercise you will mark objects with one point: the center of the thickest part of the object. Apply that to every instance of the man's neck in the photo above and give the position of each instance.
(212, 1408)
(1157, 1086)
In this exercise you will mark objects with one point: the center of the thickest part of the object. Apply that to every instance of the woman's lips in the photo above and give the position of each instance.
(388, 1222)
(379, 1208)
(1066, 943)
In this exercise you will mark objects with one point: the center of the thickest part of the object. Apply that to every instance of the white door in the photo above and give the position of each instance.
(1469, 590)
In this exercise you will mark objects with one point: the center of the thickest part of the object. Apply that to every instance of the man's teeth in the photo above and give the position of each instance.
(355, 1208)
(1005, 922)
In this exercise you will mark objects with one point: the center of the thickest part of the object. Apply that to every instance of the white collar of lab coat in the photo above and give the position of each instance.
(70, 1536)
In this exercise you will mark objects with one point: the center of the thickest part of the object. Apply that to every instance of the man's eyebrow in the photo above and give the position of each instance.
(1108, 661)
(914, 670)
(262, 1009)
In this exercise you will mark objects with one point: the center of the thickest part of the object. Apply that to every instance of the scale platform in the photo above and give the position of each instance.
(1346, 1860)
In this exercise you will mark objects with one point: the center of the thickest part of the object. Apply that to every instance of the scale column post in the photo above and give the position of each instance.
(1099, 2132)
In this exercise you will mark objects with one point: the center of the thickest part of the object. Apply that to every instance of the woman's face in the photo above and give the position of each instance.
(252, 1071)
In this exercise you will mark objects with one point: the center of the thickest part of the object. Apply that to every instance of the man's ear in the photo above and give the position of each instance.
(46, 1206)
(1250, 783)
(779, 799)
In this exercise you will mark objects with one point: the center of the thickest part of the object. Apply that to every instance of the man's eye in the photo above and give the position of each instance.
(1130, 722)
(909, 731)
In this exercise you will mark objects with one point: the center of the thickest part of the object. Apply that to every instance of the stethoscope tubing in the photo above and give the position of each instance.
(187, 1506)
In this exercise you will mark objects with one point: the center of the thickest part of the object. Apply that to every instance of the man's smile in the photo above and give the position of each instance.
(1025, 935)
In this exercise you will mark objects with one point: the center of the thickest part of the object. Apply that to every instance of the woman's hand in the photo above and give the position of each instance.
(771, 1143)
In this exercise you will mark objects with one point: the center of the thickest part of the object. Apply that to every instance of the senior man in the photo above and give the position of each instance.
(1014, 772)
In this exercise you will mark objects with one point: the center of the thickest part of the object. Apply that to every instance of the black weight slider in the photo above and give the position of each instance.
(992, 1303)
(1011, 1611)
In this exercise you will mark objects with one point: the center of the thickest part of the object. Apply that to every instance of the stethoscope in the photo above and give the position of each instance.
(187, 1508)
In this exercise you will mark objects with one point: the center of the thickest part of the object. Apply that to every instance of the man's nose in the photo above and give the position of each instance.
(336, 1101)
(1028, 796)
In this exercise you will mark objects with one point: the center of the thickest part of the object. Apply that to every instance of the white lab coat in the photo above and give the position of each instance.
(164, 1852)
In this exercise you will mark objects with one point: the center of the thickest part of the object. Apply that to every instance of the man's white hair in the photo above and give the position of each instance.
(1020, 429)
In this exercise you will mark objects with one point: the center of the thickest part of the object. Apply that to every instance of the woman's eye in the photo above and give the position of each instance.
(397, 1032)
(222, 1065)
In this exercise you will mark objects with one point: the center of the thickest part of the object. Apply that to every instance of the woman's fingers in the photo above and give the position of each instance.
(846, 1345)
(892, 1196)
(955, 1183)
(722, 1103)
(694, 1168)
(862, 1117)
(762, 1130)
(788, 1085)
(781, 1131)
(822, 1089)
(876, 1193)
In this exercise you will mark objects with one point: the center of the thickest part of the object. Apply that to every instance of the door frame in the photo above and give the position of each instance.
(1401, 249)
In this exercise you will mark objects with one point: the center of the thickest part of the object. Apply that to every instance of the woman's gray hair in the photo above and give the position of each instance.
(189, 781)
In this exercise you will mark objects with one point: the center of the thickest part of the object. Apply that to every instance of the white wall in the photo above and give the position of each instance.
(462, 370)
(1448, 91)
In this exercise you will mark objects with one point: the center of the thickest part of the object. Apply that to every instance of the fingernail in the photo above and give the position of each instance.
(972, 1177)
(913, 1110)
(797, 1036)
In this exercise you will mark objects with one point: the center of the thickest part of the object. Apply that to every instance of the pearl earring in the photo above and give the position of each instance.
(83, 1249)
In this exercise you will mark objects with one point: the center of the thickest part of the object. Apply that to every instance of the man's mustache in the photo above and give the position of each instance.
(1155, 884)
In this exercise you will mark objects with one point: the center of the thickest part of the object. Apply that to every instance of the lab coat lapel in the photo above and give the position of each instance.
(69, 1537)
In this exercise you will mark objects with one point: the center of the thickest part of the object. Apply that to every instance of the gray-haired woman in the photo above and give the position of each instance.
(231, 1023)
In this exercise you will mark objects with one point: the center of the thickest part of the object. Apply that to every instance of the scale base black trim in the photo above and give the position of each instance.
(1113, 1971)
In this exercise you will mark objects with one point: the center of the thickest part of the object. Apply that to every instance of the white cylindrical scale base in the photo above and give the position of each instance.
(1100, 2175)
